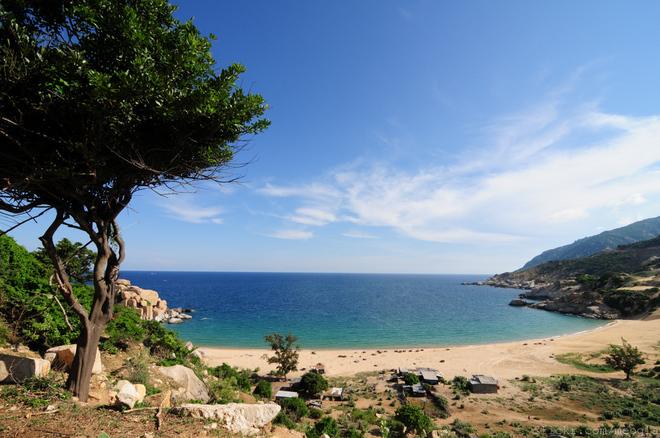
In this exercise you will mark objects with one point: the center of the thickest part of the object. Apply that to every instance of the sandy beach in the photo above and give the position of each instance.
(504, 360)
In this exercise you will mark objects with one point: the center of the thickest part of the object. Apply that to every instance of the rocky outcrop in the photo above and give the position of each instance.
(191, 387)
(237, 418)
(149, 304)
(518, 303)
(127, 394)
(15, 369)
(61, 358)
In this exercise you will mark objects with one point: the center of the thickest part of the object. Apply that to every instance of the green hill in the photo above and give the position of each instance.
(635, 232)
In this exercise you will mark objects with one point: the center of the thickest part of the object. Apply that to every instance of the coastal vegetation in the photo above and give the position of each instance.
(109, 98)
(286, 353)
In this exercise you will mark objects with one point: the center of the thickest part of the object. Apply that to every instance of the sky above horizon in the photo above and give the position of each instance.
(418, 137)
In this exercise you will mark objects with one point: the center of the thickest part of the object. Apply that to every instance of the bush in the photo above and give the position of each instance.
(325, 425)
(124, 327)
(283, 419)
(462, 428)
(242, 379)
(263, 389)
(410, 378)
(461, 385)
(315, 413)
(414, 418)
(36, 392)
(166, 345)
(223, 391)
(312, 383)
(294, 408)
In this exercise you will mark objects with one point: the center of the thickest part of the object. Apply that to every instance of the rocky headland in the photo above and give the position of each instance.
(149, 304)
(612, 284)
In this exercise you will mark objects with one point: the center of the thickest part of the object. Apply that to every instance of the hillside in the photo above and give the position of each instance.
(635, 232)
(615, 283)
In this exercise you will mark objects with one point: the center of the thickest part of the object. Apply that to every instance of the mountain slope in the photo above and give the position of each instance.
(635, 232)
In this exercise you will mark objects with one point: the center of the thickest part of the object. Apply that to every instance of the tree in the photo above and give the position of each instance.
(410, 379)
(76, 257)
(312, 384)
(286, 353)
(624, 357)
(414, 418)
(100, 99)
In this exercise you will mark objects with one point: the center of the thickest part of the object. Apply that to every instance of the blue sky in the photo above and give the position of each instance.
(419, 136)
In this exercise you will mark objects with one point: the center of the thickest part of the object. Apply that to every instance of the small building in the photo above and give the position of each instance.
(403, 371)
(417, 390)
(480, 384)
(279, 395)
(428, 376)
(335, 393)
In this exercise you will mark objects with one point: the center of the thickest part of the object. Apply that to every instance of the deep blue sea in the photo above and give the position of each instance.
(349, 310)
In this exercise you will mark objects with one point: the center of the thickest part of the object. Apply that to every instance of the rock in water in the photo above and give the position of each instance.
(518, 303)
(61, 358)
(238, 418)
(15, 369)
(191, 387)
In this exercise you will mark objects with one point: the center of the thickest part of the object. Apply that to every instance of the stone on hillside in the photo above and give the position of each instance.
(15, 369)
(237, 418)
(61, 358)
(129, 394)
(191, 387)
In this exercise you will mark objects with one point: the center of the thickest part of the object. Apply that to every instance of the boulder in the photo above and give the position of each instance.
(15, 369)
(162, 304)
(191, 387)
(518, 303)
(129, 394)
(62, 357)
(237, 418)
(122, 282)
(149, 295)
(174, 321)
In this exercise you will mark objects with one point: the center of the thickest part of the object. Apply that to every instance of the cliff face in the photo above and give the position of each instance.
(619, 283)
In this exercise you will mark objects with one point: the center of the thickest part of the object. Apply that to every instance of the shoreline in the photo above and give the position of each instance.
(408, 347)
(504, 360)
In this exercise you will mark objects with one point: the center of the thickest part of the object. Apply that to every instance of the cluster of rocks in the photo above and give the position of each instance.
(149, 304)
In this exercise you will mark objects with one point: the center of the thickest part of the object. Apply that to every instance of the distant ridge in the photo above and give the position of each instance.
(638, 231)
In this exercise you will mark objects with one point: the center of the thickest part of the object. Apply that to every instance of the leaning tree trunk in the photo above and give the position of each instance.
(106, 271)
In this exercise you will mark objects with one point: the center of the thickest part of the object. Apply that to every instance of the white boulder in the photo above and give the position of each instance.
(191, 387)
(128, 394)
(238, 418)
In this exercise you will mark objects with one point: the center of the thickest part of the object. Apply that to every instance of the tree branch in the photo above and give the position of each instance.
(63, 282)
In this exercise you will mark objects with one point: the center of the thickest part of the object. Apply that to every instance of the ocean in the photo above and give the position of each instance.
(233, 309)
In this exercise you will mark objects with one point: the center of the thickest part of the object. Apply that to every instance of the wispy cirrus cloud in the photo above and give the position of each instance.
(187, 210)
(544, 167)
(292, 234)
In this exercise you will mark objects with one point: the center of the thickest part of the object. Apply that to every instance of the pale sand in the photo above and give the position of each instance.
(503, 360)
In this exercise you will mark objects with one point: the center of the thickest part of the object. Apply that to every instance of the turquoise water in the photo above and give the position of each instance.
(350, 310)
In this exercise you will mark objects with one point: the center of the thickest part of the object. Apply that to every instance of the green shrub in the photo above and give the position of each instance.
(5, 333)
(223, 391)
(414, 418)
(461, 385)
(410, 378)
(125, 326)
(283, 419)
(36, 392)
(295, 408)
(312, 383)
(462, 428)
(326, 425)
(242, 378)
(166, 345)
(315, 413)
(264, 389)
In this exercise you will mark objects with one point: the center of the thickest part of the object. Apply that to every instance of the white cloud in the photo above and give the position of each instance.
(187, 211)
(292, 234)
(354, 234)
(540, 169)
(312, 216)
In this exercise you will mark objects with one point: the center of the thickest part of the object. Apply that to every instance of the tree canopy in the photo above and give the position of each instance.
(624, 357)
(286, 352)
(100, 99)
